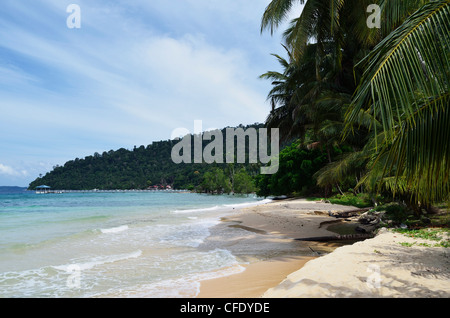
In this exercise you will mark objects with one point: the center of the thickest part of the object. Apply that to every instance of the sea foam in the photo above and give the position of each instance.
(247, 204)
(214, 208)
(115, 229)
(97, 261)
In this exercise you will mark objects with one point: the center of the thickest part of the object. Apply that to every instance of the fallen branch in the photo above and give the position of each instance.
(336, 238)
(346, 214)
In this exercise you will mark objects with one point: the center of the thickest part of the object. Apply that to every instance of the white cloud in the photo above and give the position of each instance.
(140, 83)
(135, 71)
(7, 170)
(201, 80)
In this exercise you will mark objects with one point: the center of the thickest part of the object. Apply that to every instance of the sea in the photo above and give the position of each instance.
(111, 244)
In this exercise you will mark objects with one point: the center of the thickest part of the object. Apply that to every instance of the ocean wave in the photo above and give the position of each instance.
(214, 208)
(188, 286)
(117, 229)
(97, 261)
(247, 204)
(224, 206)
(191, 234)
(51, 281)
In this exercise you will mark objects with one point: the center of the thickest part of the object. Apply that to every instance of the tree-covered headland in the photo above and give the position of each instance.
(153, 167)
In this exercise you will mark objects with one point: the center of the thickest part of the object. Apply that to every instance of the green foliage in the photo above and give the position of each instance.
(215, 181)
(228, 180)
(295, 174)
(243, 182)
(438, 235)
(361, 200)
(401, 214)
(405, 84)
(396, 212)
(383, 92)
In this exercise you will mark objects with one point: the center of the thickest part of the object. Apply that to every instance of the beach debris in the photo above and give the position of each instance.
(281, 197)
(345, 237)
(318, 253)
(368, 228)
(371, 217)
(347, 214)
(323, 201)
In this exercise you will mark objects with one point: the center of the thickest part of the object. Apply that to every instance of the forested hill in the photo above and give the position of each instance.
(140, 168)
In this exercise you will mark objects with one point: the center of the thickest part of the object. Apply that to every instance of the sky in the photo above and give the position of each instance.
(132, 73)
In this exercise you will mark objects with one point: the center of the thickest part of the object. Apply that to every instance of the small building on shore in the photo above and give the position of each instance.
(43, 189)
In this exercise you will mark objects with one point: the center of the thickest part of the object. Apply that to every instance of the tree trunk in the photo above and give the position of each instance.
(339, 188)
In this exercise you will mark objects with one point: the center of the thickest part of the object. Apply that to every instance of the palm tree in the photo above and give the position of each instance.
(306, 108)
(292, 94)
(317, 82)
(322, 48)
(405, 85)
(339, 21)
(403, 74)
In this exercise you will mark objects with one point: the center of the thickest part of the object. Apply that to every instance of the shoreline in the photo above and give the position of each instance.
(277, 266)
(258, 277)
(391, 265)
(263, 241)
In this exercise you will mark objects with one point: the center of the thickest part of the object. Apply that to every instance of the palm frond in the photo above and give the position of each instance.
(414, 58)
(406, 84)
(394, 12)
(422, 153)
(336, 171)
(276, 12)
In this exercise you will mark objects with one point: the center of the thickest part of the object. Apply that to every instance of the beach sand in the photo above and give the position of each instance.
(264, 244)
(375, 268)
(277, 266)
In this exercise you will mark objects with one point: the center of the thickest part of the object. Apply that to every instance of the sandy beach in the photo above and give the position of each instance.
(277, 266)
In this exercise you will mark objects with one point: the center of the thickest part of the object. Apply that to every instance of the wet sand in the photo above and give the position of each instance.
(263, 241)
(390, 265)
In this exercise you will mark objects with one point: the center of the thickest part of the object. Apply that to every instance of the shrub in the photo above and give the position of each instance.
(361, 200)
(396, 212)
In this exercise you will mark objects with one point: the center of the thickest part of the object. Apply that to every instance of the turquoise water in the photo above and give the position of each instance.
(125, 244)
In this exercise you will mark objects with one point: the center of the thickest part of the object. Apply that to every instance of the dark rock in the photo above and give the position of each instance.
(365, 228)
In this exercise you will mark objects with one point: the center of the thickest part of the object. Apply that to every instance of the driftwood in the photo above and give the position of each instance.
(345, 237)
(347, 214)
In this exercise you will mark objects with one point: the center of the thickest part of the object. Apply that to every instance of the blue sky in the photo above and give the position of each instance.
(135, 71)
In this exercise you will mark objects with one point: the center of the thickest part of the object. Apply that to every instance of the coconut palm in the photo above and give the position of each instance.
(405, 84)
(322, 51)
(403, 75)
(317, 81)
(281, 95)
